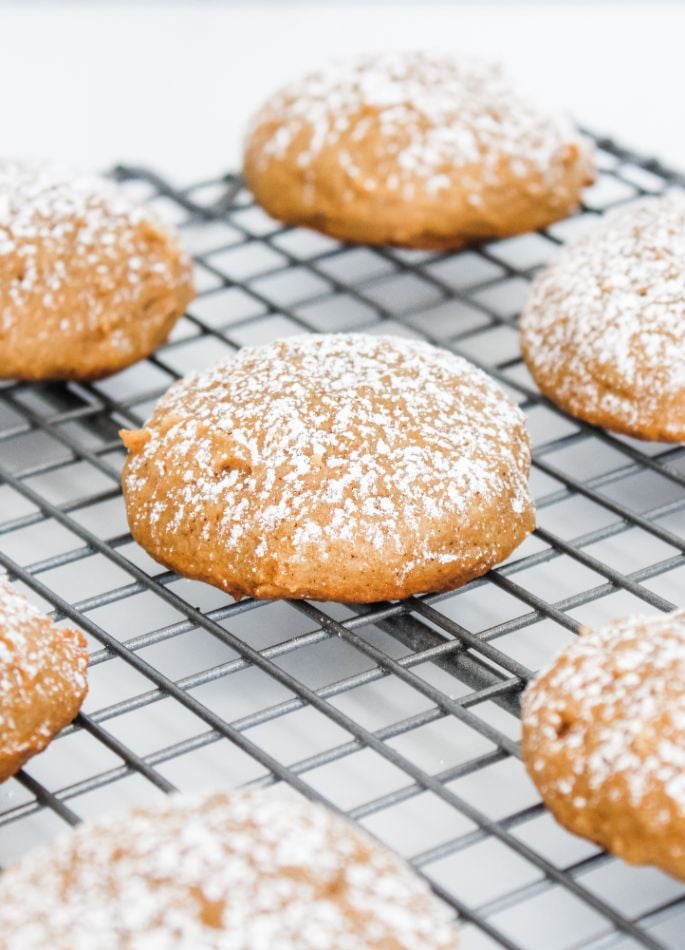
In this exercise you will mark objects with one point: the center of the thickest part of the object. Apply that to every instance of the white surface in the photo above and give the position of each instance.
(172, 84)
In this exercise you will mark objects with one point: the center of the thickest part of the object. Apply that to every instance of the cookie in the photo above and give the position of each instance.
(42, 679)
(604, 739)
(90, 281)
(603, 331)
(413, 149)
(344, 467)
(241, 870)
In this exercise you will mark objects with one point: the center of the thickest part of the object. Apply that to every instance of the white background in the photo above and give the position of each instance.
(171, 84)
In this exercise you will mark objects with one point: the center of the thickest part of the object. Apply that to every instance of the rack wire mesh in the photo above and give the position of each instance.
(401, 715)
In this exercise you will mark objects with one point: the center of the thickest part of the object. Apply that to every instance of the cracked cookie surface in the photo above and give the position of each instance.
(603, 330)
(604, 739)
(340, 467)
(90, 281)
(413, 149)
(239, 870)
(42, 679)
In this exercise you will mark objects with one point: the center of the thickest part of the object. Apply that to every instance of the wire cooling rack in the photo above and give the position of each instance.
(401, 715)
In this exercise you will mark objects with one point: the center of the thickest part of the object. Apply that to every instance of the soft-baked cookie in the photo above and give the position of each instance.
(413, 149)
(342, 467)
(245, 870)
(90, 281)
(42, 679)
(603, 331)
(604, 739)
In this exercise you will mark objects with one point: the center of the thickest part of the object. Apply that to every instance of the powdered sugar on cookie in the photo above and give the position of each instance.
(42, 678)
(367, 444)
(89, 279)
(611, 714)
(603, 331)
(239, 871)
(433, 115)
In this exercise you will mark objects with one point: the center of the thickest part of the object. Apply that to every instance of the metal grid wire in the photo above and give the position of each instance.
(401, 715)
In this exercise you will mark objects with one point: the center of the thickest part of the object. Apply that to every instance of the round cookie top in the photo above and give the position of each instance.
(603, 331)
(241, 870)
(344, 466)
(604, 738)
(42, 679)
(389, 132)
(89, 279)
(435, 113)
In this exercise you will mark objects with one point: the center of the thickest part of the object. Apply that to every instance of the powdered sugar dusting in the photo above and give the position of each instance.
(612, 708)
(421, 116)
(241, 871)
(40, 666)
(605, 323)
(337, 442)
(59, 227)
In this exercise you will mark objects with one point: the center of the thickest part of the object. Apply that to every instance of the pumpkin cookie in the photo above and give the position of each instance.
(413, 149)
(90, 281)
(42, 679)
(604, 739)
(343, 467)
(242, 870)
(603, 331)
